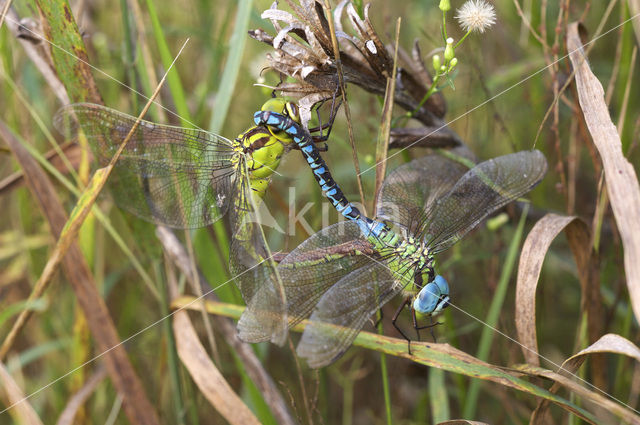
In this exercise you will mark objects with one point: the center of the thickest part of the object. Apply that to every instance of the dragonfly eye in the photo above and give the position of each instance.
(433, 297)
(293, 111)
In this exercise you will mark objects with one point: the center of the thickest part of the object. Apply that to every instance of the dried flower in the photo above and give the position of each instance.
(303, 50)
(476, 15)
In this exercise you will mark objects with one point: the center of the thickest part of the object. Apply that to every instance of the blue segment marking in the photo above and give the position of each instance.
(320, 171)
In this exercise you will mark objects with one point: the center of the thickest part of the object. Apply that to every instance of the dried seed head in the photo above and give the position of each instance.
(476, 15)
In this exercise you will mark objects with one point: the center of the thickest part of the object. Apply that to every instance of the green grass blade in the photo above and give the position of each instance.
(173, 79)
(491, 321)
(231, 69)
(441, 356)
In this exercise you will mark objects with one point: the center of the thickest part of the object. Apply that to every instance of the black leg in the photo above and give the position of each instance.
(407, 301)
(415, 322)
(429, 326)
(328, 126)
(324, 148)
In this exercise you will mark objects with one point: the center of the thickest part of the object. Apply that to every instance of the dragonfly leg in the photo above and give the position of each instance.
(414, 318)
(324, 148)
(430, 326)
(407, 301)
(329, 125)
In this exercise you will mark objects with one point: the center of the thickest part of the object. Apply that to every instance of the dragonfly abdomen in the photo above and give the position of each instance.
(320, 170)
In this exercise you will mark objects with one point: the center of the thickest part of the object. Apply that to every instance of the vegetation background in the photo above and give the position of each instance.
(506, 83)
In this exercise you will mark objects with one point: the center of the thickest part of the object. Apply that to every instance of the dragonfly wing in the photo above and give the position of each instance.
(319, 262)
(169, 175)
(255, 272)
(483, 189)
(309, 271)
(343, 311)
(409, 190)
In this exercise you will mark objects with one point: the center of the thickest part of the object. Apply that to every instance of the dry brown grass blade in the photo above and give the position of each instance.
(532, 256)
(622, 182)
(252, 364)
(136, 405)
(206, 375)
(23, 413)
(609, 343)
(68, 415)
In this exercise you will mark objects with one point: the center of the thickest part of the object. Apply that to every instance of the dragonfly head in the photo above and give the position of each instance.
(288, 109)
(433, 298)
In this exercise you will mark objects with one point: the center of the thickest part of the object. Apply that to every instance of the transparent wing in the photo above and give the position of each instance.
(169, 175)
(410, 190)
(483, 189)
(319, 262)
(252, 266)
(343, 311)
(308, 272)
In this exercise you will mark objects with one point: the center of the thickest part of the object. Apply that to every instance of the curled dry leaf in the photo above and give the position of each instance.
(595, 396)
(303, 50)
(532, 256)
(620, 176)
(206, 375)
(609, 343)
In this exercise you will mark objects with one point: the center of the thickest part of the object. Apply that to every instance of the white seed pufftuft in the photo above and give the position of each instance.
(476, 15)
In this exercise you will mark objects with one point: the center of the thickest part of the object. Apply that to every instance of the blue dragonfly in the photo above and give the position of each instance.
(343, 274)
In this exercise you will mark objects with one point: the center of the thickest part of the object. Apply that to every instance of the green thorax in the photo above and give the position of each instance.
(261, 151)
(404, 256)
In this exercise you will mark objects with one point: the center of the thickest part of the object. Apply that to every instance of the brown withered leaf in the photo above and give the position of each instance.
(609, 343)
(532, 256)
(206, 375)
(622, 183)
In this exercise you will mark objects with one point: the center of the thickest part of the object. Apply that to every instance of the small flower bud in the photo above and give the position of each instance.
(449, 51)
(453, 63)
(437, 63)
(445, 5)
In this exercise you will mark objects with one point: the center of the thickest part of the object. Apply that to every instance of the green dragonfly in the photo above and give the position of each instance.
(343, 274)
(190, 178)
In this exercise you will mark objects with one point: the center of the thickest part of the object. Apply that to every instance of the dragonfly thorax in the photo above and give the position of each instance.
(261, 149)
(414, 251)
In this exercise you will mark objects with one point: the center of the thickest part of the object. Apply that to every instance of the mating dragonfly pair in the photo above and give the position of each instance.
(338, 277)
